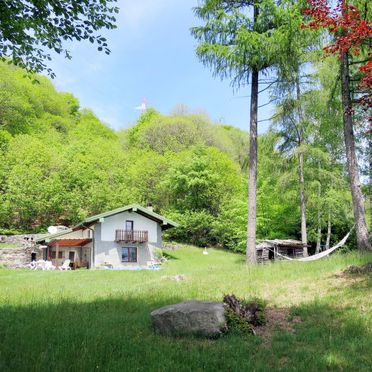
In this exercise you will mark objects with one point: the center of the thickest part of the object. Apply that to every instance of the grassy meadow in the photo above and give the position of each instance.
(99, 320)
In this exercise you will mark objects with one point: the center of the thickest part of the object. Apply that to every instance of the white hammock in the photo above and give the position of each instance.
(321, 254)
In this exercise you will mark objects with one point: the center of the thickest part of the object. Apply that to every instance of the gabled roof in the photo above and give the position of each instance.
(48, 237)
(165, 222)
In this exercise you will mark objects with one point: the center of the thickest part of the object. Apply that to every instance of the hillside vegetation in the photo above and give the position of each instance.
(100, 320)
(59, 163)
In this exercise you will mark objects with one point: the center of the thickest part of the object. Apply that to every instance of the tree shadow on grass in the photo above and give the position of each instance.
(327, 338)
(115, 334)
(169, 256)
(110, 334)
(331, 337)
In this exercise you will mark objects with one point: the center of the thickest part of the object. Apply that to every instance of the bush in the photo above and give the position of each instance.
(195, 228)
(242, 315)
(4, 231)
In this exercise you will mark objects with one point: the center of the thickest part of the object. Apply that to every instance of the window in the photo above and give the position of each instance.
(129, 254)
(53, 254)
(60, 254)
(128, 225)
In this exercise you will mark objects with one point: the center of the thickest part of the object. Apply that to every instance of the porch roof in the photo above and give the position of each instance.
(70, 242)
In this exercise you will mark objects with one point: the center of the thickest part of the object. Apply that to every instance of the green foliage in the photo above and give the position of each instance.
(194, 228)
(9, 232)
(134, 134)
(177, 133)
(240, 36)
(201, 179)
(28, 28)
(59, 164)
(236, 324)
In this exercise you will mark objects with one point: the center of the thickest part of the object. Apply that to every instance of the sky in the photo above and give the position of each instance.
(152, 58)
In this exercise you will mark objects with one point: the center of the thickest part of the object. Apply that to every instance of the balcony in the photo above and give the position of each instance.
(131, 236)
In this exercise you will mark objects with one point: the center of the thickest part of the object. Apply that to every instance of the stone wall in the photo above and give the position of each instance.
(21, 254)
(18, 257)
(20, 240)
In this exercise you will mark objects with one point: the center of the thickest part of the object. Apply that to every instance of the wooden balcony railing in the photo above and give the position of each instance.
(131, 236)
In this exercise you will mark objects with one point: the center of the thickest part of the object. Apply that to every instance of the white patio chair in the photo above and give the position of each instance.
(49, 266)
(65, 265)
(153, 265)
(31, 265)
(40, 265)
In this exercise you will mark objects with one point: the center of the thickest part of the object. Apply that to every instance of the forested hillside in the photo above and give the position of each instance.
(59, 164)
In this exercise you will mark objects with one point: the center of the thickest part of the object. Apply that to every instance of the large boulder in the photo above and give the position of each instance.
(197, 318)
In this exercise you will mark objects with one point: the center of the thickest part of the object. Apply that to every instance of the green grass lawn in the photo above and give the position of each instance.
(99, 320)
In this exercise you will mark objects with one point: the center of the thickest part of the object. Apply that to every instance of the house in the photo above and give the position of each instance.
(123, 237)
(276, 249)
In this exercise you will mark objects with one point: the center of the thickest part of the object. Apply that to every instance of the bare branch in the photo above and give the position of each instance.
(269, 119)
(267, 103)
(268, 87)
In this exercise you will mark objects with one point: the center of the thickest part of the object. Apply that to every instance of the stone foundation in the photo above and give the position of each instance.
(21, 255)
(18, 257)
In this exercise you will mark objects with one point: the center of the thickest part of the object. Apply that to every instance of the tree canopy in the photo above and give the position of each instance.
(29, 28)
(59, 163)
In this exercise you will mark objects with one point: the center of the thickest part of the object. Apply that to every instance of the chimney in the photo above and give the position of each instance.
(150, 207)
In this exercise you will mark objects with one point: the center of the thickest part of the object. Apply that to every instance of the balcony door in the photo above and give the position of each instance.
(129, 225)
(129, 229)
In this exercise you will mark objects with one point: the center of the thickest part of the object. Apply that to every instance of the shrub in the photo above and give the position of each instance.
(242, 315)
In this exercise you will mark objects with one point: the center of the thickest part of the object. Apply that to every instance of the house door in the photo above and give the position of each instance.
(33, 256)
(271, 255)
(71, 256)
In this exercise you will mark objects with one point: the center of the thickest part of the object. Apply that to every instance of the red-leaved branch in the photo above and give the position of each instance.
(351, 32)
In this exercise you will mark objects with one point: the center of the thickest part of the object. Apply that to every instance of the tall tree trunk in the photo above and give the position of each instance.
(356, 192)
(251, 228)
(318, 236)
(302, 201)
(301, 168)
(319, 232)
(328, 241)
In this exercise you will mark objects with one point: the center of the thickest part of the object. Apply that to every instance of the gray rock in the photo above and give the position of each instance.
(199, 318)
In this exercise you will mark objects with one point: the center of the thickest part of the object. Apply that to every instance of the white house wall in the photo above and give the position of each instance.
(107, 251)
(141, 223)
(78, 234)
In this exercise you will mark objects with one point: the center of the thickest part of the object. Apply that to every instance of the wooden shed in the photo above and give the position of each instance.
(275, 249)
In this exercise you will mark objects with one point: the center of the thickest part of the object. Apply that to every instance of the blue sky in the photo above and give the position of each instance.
(153, 57)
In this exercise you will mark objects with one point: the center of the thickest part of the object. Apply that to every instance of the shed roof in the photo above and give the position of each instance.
(289, 243)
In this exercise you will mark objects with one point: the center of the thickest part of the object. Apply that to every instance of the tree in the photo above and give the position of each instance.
(202, 179)
(351, 32)
(290, 91)
(240, 39)
(28, 28)
(294, 131)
